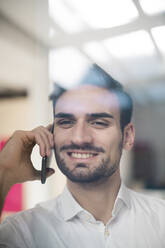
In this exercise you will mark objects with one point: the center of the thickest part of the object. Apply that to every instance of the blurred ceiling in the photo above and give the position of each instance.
(126, 38)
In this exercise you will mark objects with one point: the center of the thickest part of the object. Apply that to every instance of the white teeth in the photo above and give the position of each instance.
(81, 155)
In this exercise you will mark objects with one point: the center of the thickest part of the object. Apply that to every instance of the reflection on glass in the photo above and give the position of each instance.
(154, 7)
(104, 14)
(159, 36)
(66, 65)
(96, 51)
(52, 32)
(72, 15)
(130, 45)
(65, 17)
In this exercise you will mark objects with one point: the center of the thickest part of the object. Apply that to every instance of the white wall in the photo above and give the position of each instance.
(10, 112)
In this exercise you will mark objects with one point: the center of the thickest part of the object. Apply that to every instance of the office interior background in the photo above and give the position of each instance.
(42, 42)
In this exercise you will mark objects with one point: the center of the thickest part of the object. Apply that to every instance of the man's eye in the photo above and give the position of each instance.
(99, 124)
(65, 123)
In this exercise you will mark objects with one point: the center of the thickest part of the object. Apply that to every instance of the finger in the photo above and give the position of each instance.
(49, 172)
(49, 127)
(46, 131)
(47, 145)
(41, 137)
(44, 139)
(40, 141)
(50, 137)
(50, 130)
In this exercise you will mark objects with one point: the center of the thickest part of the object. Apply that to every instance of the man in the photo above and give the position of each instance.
(92, 126)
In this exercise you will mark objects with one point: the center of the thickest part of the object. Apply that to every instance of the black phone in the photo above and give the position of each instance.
(45, 162)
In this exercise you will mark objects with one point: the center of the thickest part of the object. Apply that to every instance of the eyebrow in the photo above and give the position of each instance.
(100, 115)
(92, 115)
(64, 115)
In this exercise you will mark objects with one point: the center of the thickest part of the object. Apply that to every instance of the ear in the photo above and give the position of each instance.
(128, 136)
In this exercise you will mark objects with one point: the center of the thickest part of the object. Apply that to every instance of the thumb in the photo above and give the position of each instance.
(49, 172)
(37, 173)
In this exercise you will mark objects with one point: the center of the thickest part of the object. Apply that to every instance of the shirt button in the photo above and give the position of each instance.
(106, 232)
(87, 217)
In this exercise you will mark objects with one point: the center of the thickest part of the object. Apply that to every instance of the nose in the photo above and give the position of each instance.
(81, 134)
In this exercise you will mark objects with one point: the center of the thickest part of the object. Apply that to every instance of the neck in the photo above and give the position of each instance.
(97, 198)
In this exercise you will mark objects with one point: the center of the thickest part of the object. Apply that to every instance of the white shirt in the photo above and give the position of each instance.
(138, 221)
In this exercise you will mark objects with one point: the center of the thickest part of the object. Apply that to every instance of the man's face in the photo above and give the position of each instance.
(88, 138)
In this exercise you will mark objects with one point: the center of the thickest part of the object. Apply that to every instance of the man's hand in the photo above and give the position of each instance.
(15, 158)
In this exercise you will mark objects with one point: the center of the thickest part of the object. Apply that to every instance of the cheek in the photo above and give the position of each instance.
(111, 137)
(57, 139)
(110, 141)
(60, 137)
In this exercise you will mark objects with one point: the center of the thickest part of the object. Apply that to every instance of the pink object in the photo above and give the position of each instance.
(2, 143)
(13, 202)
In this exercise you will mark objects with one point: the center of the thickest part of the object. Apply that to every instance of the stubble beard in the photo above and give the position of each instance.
(99, 173)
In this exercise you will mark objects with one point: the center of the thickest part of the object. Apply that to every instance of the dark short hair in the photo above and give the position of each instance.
(126, 107)
(98, 77)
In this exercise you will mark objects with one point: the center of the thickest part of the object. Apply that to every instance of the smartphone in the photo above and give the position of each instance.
(45, 162)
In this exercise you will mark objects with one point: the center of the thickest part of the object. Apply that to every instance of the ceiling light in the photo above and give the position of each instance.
(105, 14)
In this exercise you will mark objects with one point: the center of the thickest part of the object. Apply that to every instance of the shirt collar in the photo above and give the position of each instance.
(71, 208)
(124, 195)
(122, 200)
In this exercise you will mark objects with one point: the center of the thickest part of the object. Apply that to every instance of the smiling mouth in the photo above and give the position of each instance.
(81, 155)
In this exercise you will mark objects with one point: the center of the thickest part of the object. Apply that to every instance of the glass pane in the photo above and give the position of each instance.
(153, 7)
(96, 51)
(103, 13)
(130, 45)
(76, 15)
(66, 18)
(159, 36)
(66, 66)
